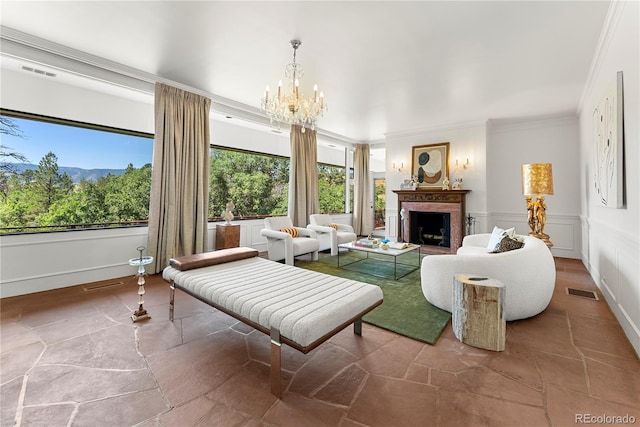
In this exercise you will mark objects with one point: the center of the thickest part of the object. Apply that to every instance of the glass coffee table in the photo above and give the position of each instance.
(394, 253)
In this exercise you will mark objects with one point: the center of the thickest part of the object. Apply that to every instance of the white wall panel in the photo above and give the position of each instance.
(563, 231)
(614, 267)
(43, 261)
(611, 236)
(480, 223)
(464, 141)
(535, 140)
(39, 262)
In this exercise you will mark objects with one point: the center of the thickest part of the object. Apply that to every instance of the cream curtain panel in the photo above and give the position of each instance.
(362, 211)
(180, 175)
(304, 195)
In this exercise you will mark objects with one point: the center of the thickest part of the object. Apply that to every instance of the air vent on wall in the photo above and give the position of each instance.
(37, 71)
(582, 293)
(102, 286)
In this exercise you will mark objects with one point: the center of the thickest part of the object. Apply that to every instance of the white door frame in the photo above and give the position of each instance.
(376, 175)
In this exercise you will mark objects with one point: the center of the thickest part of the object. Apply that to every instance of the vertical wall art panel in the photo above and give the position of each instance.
(608, 119)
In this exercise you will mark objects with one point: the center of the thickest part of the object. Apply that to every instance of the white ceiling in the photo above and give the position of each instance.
(384, 67)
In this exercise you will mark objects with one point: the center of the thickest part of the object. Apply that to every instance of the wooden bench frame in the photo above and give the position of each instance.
(276, 339)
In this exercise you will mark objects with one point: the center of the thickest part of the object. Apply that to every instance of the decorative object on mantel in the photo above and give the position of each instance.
(140, 262)
(457, 184)
(537, 180)
(430, 164)
(292, 107)
(608, 119)
(445, 183)
(410, 184)
(227, 215)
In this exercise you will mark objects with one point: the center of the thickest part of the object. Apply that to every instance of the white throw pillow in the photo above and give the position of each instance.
(497, 234)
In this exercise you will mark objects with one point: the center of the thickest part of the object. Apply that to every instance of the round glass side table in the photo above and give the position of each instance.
(140, 262)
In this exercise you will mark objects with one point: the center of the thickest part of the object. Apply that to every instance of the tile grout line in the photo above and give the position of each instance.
(25, 378)
(582, 356)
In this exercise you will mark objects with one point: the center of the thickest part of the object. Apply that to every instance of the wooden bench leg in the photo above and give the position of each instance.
(357, 327)
(275, 363)
(172, 295)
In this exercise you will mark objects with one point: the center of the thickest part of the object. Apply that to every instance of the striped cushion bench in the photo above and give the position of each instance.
(297, 307)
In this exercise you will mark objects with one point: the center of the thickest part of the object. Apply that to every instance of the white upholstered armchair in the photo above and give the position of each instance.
(283, 245)
(330, 234)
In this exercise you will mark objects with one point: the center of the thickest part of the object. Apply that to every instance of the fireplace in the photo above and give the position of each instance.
(433, 219)
(430, 228)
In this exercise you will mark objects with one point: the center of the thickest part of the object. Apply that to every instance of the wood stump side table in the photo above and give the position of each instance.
(227, 236)
(478, 311)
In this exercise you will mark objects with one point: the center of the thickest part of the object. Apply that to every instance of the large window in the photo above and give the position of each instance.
(57, 174)
(60, 175)
(331, 187)
(258, 184)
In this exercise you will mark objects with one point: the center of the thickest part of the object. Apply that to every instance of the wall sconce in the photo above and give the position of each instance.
(537, 180)
(401, 166)
(464, 165)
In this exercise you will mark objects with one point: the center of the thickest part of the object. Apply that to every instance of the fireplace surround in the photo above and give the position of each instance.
(433, 218)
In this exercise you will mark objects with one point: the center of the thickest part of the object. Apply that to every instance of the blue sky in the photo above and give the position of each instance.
(79, 147)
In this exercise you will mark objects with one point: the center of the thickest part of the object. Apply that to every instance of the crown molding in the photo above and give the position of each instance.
(378, 143)
(497, 126)
(437, 129)
(22, 46)
(27, 47)
(604, 42)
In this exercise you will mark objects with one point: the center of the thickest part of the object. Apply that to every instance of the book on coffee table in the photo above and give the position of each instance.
(399, 245)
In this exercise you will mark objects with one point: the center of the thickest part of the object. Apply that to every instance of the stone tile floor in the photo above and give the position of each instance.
(73, 357)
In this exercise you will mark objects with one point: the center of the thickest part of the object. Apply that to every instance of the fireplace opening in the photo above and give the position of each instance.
(430, 228)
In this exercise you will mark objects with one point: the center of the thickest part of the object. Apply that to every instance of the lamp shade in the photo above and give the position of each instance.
(537, 179)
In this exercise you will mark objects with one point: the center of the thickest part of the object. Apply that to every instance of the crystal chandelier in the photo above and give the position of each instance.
(292, 107)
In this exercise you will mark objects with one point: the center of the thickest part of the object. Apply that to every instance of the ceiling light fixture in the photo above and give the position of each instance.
(292, 107)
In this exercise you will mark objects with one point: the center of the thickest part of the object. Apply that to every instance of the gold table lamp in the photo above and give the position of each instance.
(537, 180)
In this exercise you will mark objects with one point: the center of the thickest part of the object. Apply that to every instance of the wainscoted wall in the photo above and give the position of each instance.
(498, 149)
(611, 236)
(563, 230)
(40, 262)
(612, 259)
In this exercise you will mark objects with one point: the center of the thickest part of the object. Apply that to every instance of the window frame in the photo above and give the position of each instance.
(288, 158)
(83, 125)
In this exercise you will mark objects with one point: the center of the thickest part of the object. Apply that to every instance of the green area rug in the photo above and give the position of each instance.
(405, 309)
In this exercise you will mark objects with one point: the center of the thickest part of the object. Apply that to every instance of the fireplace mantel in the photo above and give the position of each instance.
(434, 200)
